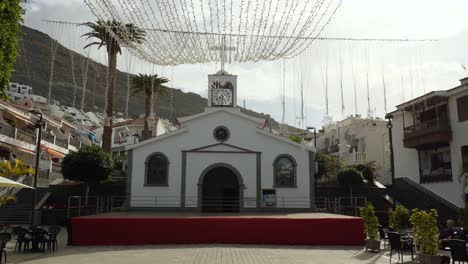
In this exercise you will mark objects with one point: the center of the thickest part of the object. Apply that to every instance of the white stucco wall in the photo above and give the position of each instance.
(243, 134)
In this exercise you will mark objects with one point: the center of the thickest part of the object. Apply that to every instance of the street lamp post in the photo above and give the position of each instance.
(315, 135)
(392, 157)
(39, 125)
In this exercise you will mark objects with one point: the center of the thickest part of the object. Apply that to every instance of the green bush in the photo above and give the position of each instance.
(349, 176)
(295, 138)
(328, 166)
(367, 170)
(425, 232)
(10, 19)
(399, 218)
(371, 222)
(90, 164)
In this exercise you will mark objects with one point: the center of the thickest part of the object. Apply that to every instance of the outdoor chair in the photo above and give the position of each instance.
(22, 238)
(4, 238)
(383, 235)
(399, 245)
(458, 250)
(52, 239)
(39, 237)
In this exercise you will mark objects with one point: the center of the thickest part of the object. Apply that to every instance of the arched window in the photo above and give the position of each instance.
(157, 167)
(285, 171)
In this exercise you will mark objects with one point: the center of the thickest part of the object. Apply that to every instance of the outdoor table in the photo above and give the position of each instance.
(36, 236)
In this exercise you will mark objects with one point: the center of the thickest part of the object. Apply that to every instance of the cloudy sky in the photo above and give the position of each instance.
(405, 70)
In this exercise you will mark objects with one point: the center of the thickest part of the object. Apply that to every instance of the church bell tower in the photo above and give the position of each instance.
(222, 89)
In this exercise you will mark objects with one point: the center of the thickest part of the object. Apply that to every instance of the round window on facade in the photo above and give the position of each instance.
(221, 133)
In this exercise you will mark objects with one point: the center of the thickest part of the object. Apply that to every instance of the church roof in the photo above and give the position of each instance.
(286, 140)
(158, 138)
(211, 110)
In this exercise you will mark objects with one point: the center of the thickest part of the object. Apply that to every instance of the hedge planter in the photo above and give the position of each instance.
(372, 244)
(429, 259)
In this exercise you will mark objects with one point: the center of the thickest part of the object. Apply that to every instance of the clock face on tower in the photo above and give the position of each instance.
(221, 95)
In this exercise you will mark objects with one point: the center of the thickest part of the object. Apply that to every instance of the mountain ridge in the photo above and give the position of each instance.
(33, 66)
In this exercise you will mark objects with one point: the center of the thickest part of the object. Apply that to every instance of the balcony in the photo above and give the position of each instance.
(61, 143)
(75, 142)
(331, 149)
(431, 133)
(25, 137)
(7, 130)
(46, 136)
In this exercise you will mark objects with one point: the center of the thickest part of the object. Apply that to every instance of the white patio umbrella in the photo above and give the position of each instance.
(4, 182)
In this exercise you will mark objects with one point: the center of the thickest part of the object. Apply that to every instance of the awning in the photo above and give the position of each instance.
(4, 182)
(53, 152)
(9, 146)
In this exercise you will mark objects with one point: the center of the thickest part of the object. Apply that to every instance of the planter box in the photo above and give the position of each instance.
(429, 259)
(372, 245)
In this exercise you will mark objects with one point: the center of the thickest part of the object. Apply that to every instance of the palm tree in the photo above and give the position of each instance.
(109, 33)
(150, 85)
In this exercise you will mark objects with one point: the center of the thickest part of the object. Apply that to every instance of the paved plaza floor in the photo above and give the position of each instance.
(206, 254)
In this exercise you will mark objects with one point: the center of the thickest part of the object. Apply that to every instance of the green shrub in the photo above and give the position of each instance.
(90, 164)
(295, 138)
(399, 218)
(328, 166)
(367, 170)
(349, 176)
(425, 232)
(371, 222)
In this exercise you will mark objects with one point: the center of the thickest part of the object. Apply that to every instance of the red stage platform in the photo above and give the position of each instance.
(313, 229)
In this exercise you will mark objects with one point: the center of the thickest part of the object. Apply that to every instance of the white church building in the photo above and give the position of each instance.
(220, 160)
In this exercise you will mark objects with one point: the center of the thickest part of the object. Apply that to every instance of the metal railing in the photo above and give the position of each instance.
(430, 124)
(75, 142)
(48, 137)
(61, 143)
(8, 131)
(428, 193)
(360, 156)
(97, 205)
(25, 136)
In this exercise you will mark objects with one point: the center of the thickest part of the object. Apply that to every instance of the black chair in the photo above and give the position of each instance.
(4, 238)
(2, 227)
(39, 238)
(400, 245)
(52, 239)
(383, 235)
(458, 250)
(22, 238)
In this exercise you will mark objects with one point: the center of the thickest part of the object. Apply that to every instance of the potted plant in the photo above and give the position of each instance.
(371, 227)
(426, 235)
(7, 200)
(399, 218)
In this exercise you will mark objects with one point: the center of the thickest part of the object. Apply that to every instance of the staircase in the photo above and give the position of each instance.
(20, 213)
(412, 195)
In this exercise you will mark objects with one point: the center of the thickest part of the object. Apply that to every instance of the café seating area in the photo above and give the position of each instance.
(28, 239)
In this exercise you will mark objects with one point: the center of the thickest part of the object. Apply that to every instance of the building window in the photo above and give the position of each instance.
(285, 171)
(464, 150)
(157, 167)
(435, 165)
(462, 107)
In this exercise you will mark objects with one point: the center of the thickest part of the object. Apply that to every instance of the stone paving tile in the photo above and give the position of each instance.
(211, 254)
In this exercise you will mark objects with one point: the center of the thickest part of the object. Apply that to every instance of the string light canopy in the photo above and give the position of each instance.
(201, 31)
